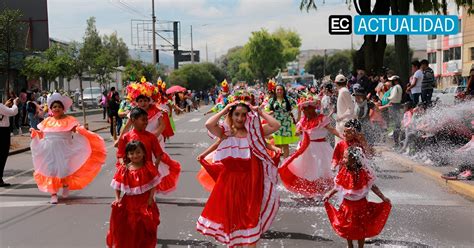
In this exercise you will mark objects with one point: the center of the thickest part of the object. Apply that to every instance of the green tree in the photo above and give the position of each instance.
(340, 61)
(264, 53)
(390, 59)
(230, 62)
(215, 71)
(244, 73)
(11, 38)
(291, 43)
(92, 43)
(315, 66)
(193, 77)
(117, 48)
(135, 69)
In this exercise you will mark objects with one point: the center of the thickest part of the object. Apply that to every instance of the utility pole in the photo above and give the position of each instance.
(207, 58)
(192, 50)
(324, 64)
(154, 31)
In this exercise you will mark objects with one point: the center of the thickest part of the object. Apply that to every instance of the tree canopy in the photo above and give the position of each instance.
(193, 77)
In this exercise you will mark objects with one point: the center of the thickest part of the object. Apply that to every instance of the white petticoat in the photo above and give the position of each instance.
(314, 163)
(59, 154)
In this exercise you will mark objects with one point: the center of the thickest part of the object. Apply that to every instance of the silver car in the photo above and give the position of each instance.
(92, 97)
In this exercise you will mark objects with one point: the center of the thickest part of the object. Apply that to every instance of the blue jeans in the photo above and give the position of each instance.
(33, 120)
(415, 98)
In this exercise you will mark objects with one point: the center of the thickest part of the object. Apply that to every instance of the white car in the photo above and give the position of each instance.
(447, 96)
(92, 97)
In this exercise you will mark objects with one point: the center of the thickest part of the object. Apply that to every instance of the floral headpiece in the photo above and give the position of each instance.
(308, 100)
(240, 96)
(161, 84)
(271, 85)
(225, 86)
(143, 88)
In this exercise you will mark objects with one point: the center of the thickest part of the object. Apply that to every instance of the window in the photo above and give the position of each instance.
(445, 55)
(460, 26)
(432, 58)
(432, 37)
(455, 53)
(472, 53)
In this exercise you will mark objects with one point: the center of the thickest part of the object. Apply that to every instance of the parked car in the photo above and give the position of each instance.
(448, 95)
(92, 97)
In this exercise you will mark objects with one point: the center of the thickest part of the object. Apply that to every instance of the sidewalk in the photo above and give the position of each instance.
(462, 187)
(21, 143)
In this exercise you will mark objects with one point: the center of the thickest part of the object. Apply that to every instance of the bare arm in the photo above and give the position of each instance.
(272, 124)
(379, 193)
(212, 124)
(151, 199)
(125, 129)
(209, 149)
(329, 194)
(117, 195)
(161, 126)
(334, 131)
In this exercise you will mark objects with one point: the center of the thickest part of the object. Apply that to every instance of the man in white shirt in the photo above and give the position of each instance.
(345, 105)
(6, 110)
(414, 88)
(394, 111)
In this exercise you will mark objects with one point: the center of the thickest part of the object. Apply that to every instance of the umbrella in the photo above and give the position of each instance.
(174, 89)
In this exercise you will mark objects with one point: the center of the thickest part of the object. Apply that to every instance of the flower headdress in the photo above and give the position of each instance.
(161, 85)
(225, 86)
(308, 100)
(271, 85)
(241, 96)
(143, 88)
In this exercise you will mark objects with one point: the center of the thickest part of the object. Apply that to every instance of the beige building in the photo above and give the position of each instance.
(468, 46)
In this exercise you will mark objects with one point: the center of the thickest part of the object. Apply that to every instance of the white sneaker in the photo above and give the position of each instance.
(65, 192)
(54, 199)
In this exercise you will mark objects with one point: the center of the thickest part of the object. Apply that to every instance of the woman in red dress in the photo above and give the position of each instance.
(356, 218)
(244, 199)
(135, 217)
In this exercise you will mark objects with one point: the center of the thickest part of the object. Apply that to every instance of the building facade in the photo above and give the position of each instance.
(444, 53)
(468, 43)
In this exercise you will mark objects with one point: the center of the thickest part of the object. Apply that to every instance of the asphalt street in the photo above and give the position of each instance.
(424, 214)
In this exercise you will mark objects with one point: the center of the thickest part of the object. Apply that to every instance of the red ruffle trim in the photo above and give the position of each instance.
(299, 185)
(168, 131)
(352, 181)
(136, 178)
(84, 175)
(169, 182)
(355, 220)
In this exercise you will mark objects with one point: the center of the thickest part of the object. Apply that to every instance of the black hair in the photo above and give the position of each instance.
(232, 109)
(60, 103)
(416, 63)
(355, 153)
(374, 97)
(132, 146)
(424, 62)
(112, 89)
(287, 102)
(354, 123)
(137, 112)
(141, 97)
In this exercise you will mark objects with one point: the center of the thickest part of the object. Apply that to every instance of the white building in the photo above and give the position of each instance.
(444, 53)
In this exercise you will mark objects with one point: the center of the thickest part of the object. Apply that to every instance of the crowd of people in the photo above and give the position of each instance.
(335, 125)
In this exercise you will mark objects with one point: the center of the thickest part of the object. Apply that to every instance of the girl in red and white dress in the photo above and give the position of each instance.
(135, 217)
(65, 154)
(356, 218)
(308, 170)
(244, 200)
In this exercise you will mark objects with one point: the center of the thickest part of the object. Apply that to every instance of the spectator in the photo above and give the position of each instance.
(378, 123)
(414, 88)
(113, 109)
(111, 93)
(22, 107)
(10, 108)
(395, 99)
(362, 80)
(103, 103)
(428, 82)
(32, 110)
(470, 84)
(345, 106)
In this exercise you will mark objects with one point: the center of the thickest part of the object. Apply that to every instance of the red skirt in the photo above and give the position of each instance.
(232, 212)
(133, 223)
(357, 220)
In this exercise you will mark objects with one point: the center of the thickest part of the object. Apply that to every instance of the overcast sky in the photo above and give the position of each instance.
(221, 24)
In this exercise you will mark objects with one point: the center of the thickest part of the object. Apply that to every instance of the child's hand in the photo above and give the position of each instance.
(199, 157)
(385, 199)
(116, 202)
(151, 200)
(326, 197)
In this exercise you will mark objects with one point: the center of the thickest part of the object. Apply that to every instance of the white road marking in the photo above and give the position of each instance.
(26, 204)
(195, 119)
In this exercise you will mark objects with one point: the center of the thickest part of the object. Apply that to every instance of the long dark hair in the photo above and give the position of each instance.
(287, 102)
(132, 146)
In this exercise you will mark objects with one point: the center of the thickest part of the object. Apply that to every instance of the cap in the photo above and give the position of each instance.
(340, 79)
(394, 77)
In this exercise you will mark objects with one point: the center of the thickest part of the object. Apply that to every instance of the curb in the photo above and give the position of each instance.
(459, 187)
(17, 151)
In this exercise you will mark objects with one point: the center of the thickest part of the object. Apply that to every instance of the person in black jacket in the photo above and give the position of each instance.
(113, 108)
(428, 82)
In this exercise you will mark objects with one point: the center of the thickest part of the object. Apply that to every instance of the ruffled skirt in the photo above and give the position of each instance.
(67, 159)
(355, 220)
(308, 170)
(133, 223)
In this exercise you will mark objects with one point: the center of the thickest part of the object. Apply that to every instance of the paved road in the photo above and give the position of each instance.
(424, 214)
